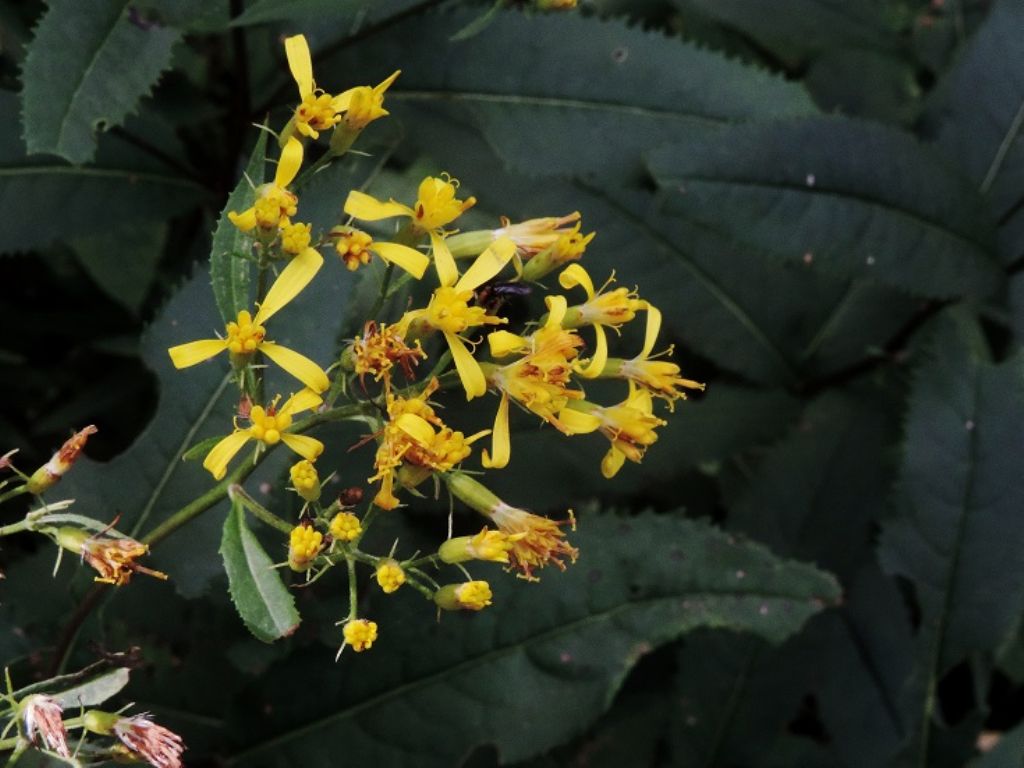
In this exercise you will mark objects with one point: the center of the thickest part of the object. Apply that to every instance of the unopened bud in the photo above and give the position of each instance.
(469, 596)
(47, 475)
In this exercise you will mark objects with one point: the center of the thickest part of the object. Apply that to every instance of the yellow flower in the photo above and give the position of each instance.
(539, 379)
(450, 313)
(436, 206)
(246, 335)
(274, 203)
(659, 377)
(317, 110)
(390, 576)
(536, 541)
(364, 104)
(360, 634)
(568, 245)
(379, 349)
(112, 558)
(469, 596)
(345, 527)
(269, 426)
(490, 546)
(355, 246)
(304, 544)
(630, 426)
(305, 480)
(601, 309)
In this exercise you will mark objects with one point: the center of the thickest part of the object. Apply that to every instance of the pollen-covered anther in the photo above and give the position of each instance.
(382, 347)
(390, 576)
(542, 543)
(243, 335)
(360, 634)
(304, 544)
(345, 527)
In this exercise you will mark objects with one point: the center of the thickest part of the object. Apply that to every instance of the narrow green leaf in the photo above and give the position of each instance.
(552, 114)
(200, 449)
(958, 539)
(231, 274)
(87, 68)
(861, 199)
(95, 691)
(544, 660)
(263, 601)
(982, 128)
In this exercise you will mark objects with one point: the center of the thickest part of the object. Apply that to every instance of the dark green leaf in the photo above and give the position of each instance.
(544, 661)
(263, 601)
(230, 273)
(87, 68)
(862, 200)
(957, 538)
(339, 14)
(45, 199)
(981, 128)
(548, 113)
(123, 262)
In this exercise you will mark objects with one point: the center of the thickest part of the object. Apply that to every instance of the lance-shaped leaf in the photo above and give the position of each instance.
(958, 538)
(230, 272)
(978, 110)
(263, 601)
(621, 91)
(87, 67)
(862, 199)
(541, 663)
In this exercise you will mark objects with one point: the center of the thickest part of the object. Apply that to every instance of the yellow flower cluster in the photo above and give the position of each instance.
(453, 321)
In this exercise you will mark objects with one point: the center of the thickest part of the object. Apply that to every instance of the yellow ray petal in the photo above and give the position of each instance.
(612, 462)
(194, 352)
(444, 262)
(299, 366)
(574, 275)
(416, 427)
(653, 327)
(501, 444)
(412, 261)
(245, 221)
(557, 306)
(504, 343)
(299, 62)
(340, 103)
(386, 83)
(487, 264)
(222, 453)
(575, 422)
(289, 163)
(360, 205)
(307, 447)
(600, 358)
(303, 400)
(473, 380)
(289, 283)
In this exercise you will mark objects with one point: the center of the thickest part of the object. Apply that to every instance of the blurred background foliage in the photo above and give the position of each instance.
(825, 197)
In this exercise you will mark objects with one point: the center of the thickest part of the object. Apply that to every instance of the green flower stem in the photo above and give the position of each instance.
(220, 491)
(18, 527)
(13, 492)
(353, 590)
(257, 510)
(389, 272)
(430, 559)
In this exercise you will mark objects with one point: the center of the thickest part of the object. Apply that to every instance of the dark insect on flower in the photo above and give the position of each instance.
(495, 295)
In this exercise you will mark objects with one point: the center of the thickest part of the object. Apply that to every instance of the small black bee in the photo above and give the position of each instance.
(496, 295)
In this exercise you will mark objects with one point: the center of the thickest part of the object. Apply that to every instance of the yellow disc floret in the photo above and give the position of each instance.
(390, 576)
(303, 546)
(305, 480)
(267, 425)
(360, 634)
(295, 238)
(353, 246)
(244, 336)
(345, 527)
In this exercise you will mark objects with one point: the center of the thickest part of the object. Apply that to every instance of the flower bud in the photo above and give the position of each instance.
(492, 546)
(304, 545)
(345, 527)
(472, 493)
(469, 596)
(390, 576)
(47, 475)
(360, 634)
(305, 480)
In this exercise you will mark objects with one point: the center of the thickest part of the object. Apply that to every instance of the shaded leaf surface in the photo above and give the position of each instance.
(545, 660)
(863, 200)
(77, 74)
